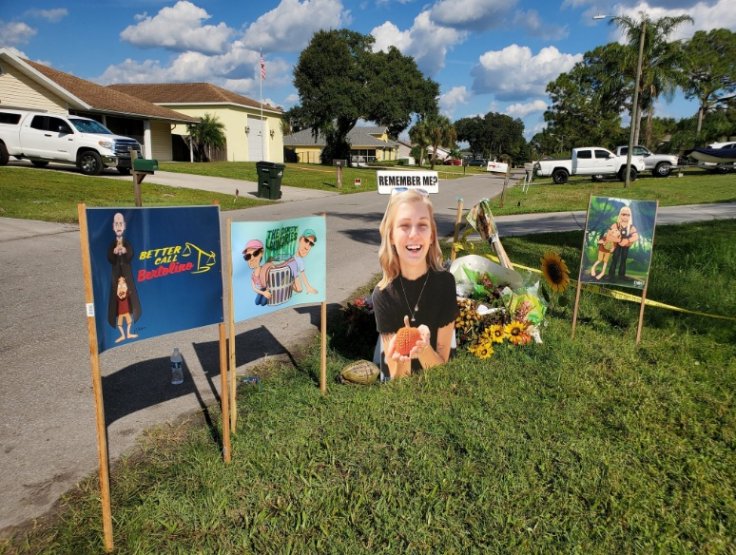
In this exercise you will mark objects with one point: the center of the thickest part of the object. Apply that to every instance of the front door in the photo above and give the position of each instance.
(256, 130)
(48, 137)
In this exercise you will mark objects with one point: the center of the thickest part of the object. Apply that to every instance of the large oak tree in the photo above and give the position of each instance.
(341, 80)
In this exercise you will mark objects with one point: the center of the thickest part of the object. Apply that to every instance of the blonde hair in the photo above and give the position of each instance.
(387, 256)
(631, 218)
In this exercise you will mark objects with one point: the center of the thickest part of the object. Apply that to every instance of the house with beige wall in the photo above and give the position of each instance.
(367, 144)
(252, 129)
(28, 85)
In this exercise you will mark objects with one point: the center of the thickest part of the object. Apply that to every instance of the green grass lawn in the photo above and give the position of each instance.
(53, 196)
(592, 445)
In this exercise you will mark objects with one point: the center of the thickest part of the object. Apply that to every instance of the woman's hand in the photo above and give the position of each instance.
(416, 350)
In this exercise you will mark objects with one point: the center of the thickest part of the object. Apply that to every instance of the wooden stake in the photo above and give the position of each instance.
(458, 219)
(646, 284)
(137, 178)
(94, 359)
(580, 273)
(323, 356)
(224, 395)
(231, 327)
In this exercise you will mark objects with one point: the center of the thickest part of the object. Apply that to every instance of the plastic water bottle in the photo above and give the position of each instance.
(177, 372)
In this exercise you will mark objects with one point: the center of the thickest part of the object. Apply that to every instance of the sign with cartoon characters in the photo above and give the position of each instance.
(277, 265)
(154, 271)
(618, 241)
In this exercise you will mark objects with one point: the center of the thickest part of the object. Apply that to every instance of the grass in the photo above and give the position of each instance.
(53, 196)
(310, 176)
(695, 187)
(586, 446)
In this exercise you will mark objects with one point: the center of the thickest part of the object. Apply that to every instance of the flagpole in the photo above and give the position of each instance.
(261, 68)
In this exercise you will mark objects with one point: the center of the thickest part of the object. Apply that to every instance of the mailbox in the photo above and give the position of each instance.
(145, 165)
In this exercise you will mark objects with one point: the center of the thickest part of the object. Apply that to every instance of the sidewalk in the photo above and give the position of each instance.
(47, 423)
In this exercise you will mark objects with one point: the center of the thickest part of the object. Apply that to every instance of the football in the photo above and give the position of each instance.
(406, 338)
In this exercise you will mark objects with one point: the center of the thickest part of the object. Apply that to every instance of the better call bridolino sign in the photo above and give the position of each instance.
(154, 271)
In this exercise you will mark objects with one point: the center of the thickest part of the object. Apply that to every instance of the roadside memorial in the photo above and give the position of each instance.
(617, 247)
(498, 305)
(148, 272)
(276, 265)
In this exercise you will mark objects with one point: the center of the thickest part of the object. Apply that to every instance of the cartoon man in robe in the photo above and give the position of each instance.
(119, 255)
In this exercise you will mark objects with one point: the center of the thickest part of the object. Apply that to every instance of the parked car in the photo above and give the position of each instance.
(661, 165)
(42, 137)
(477, 162)
(591, 160)
(452, 162)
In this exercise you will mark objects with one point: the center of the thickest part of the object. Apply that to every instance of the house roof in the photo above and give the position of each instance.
(89, 96)
(358, 137)
(189, 93)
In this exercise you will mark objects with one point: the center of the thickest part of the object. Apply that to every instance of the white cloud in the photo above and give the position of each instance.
(515, 74)
(53, 15)
(178, 28)
(452, 98)
(426, 42)
(290, 26)
(474, 15)
(537, 27)
(14, 33)
(520, 110)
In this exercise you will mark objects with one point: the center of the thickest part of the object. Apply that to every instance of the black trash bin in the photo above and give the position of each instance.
(269, 179)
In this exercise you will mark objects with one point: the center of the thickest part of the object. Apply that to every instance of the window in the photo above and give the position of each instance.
(7, 117)
(40, 122)
(602, 154)
(587, 154)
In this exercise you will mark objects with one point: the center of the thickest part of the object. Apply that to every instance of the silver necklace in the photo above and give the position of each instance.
(416, 305)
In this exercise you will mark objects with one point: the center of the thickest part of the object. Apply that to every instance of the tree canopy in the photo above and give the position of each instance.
(340, 80)
(493, 135)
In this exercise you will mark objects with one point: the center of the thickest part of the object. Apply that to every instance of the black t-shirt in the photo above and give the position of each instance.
(437, 304)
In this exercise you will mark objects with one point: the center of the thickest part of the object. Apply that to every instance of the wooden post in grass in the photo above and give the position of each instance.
(458, 219)
(137, 178)
(505, 180)
(646, 284)
(231, 326)
(224, 395)
(580, 274)
(94, 359)
(323, 353)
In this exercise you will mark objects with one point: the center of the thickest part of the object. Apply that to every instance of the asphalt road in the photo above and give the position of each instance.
(47, 424)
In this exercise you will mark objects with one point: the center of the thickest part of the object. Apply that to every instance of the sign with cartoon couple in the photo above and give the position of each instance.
(277, 265)
(154, 271)
(618, 241)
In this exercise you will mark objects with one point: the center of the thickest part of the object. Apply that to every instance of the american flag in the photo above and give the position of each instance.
(262, 65)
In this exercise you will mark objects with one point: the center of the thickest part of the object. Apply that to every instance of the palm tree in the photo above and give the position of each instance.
(419, 135)
(207, 134)
(660, 62)
(441, 133)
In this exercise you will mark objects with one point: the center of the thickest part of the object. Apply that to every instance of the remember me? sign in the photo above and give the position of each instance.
(390, 180)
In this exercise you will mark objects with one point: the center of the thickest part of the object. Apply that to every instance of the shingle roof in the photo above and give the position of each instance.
(358, 137)
(104, 99)
(188, 93)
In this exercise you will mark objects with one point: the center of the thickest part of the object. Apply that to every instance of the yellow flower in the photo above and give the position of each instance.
(516, 332)
(483, 350)
(495, 333)
(555, 272)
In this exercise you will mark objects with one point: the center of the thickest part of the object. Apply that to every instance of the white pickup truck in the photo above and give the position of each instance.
(661, 165)
(43, 137)
(590, 160)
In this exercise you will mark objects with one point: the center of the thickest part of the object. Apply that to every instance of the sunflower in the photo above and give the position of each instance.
(495, 333)
(482, 350)
(516, 332)
(555, 272)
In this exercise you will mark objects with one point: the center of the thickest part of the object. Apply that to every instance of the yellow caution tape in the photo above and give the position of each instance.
(620, 295)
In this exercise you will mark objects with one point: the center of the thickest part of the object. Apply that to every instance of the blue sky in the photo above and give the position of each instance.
(487, 55)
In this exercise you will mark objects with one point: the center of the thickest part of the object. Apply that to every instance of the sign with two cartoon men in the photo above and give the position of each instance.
(277, 265)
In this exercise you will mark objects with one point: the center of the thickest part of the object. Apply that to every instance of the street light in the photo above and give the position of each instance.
(635, 100)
